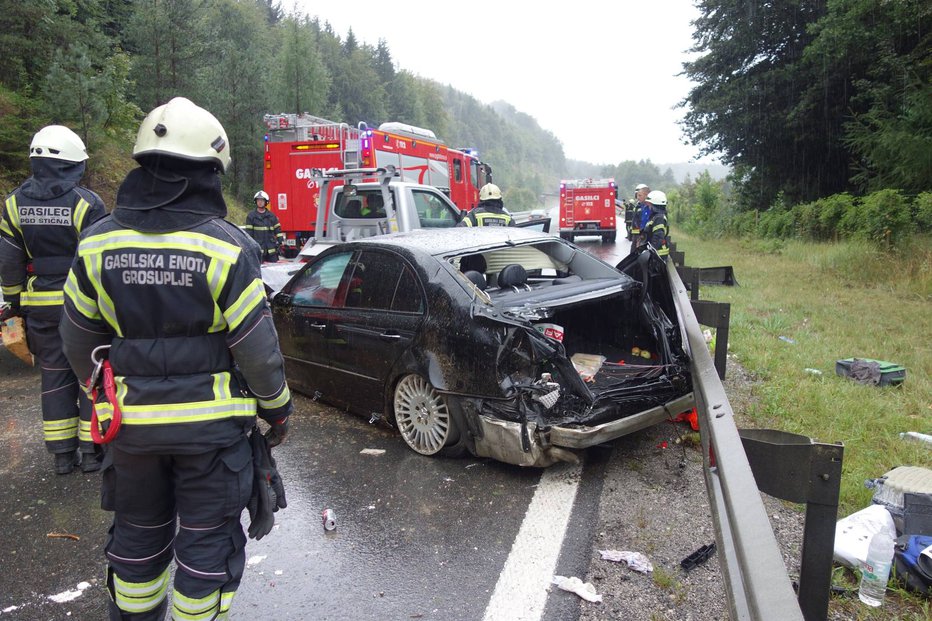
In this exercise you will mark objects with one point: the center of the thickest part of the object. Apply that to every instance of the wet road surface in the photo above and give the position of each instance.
(416, 537)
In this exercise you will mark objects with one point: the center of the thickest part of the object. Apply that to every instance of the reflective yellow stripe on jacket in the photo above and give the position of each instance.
(13, 214)
(222, 405)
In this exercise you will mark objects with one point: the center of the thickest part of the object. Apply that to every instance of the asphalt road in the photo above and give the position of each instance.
(416, 537)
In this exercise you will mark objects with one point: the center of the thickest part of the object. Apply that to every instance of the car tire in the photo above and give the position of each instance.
(426, 418)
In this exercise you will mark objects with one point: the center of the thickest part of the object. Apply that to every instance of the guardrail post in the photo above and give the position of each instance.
(795, 468)
(716, 315)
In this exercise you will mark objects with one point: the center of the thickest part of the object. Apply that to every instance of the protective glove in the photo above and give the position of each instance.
(268, 492)
(277, 432)
(9, 311)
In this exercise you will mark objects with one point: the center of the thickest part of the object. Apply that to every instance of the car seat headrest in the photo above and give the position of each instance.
(477, 278)
(512, 275)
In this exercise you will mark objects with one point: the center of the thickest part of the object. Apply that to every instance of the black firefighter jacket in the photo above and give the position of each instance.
(175, 290)
(266, 230)
(40, 223)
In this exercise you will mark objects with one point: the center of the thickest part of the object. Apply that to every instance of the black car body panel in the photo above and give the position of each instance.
(468, 309)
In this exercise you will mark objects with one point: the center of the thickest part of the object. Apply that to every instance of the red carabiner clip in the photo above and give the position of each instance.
(103, 374)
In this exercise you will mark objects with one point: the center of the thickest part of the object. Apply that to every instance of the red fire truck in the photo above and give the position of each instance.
(587, 207)
(297, 144)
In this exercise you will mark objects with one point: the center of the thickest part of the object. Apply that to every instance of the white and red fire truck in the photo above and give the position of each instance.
(587, 207)
(297, 144)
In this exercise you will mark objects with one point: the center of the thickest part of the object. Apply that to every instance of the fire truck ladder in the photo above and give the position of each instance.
(570, 207)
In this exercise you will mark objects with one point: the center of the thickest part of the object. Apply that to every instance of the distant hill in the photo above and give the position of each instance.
(693, 170)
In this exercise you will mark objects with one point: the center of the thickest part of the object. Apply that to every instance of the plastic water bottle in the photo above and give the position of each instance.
(876, 569)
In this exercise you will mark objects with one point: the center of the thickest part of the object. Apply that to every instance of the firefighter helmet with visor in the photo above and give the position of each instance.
(657, 198)
(262, 195)
(490, 191)
(58, 142)
(183, 129)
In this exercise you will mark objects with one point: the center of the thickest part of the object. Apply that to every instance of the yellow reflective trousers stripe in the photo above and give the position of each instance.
(64, 429)
(136, 597)
(195, 608)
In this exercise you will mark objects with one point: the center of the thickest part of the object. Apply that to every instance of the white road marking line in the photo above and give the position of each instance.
(521, 591)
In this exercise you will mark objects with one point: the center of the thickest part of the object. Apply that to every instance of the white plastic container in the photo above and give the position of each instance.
(876, 569)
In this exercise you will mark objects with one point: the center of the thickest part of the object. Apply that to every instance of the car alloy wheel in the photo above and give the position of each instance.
(422, 415)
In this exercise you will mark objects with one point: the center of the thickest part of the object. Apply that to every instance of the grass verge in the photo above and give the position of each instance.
(830, 301)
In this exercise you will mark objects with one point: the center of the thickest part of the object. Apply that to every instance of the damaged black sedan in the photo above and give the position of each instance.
(506, 343)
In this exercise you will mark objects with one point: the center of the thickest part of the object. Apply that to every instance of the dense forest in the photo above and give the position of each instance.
(809, 98)
(99, 65)
(805, 100)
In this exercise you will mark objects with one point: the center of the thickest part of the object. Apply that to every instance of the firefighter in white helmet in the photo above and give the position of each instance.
(264, 227)
(175, 291)
(641, 210)
(40, 224)
(657, 231)
(490, 211)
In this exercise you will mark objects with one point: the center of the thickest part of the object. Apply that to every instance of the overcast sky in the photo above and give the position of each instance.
(602, 76)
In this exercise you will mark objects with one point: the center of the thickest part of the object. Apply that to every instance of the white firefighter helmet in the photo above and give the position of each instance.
(657, 198)
(262, 195)
(490, 191)
(641, 186)
(182, 129)
(58, 142)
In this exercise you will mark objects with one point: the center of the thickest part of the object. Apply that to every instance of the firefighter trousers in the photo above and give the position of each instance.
(205, 494)
(66, 411)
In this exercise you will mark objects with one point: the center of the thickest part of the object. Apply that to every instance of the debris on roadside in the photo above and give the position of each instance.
(67, 596)
(635, 560)
(689, 416)
(787, 339)
(63, 536)
(915, 435)
(698, 557)
(812, 371)
(574, 585)
(371, 451)
(906, 492)
(871, 372)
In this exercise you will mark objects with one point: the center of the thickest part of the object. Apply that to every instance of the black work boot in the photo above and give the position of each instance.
(90, 462)
(65, 462)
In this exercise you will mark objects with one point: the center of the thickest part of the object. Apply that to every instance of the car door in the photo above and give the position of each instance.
(304, 316)
(434, 210)
(383, 310)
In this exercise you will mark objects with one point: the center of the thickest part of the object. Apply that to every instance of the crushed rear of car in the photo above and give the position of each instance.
(584, 353)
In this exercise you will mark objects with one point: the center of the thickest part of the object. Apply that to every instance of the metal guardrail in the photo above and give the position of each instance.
(756, 579)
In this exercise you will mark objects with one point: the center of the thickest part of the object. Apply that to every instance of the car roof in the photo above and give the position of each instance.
(438, 242)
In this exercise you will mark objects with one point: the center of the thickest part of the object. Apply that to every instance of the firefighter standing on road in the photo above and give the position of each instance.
(641, 211)
(657, 232)
(175, 291)
(265, 228)
(40, 223)
(490, 211)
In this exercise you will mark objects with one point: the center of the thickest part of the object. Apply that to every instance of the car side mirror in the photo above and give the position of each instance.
(282, 299)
